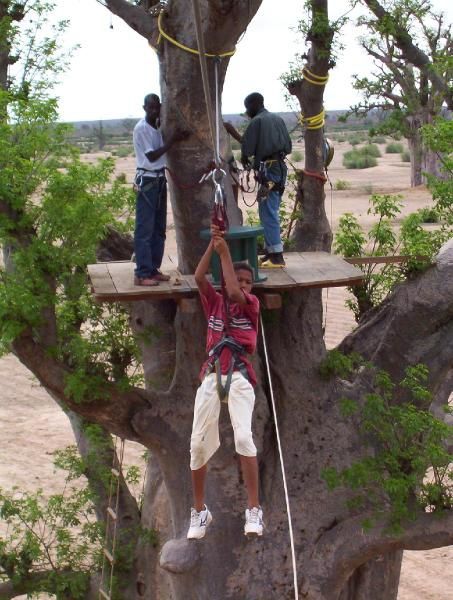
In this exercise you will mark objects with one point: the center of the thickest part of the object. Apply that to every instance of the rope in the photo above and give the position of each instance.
(315, 175)
(282, 464)
(313, 122)
(313, 78)
(187, 48)
(204, 76)
(115, 474)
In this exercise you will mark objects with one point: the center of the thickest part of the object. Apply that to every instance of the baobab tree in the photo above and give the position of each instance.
(336, 558)
(401, 88)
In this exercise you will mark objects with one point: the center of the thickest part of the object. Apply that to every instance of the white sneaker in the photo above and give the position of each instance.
(199, 522)
(254, 521)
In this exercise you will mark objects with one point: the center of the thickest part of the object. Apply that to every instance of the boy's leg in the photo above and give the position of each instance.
(198, 484)
(249, 466)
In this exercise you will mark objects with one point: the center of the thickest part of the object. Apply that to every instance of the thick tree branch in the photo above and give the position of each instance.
(344, 548)
(38, 582)
(414, 325)
(412, 53)
(112, 409)
(136, 17)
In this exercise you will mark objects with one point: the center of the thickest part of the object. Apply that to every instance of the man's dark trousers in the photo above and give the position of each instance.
(150, 225)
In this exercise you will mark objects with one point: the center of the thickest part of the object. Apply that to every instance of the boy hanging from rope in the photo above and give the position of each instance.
(226, 375)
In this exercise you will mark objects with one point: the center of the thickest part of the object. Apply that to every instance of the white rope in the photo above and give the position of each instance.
(205, 79)
(282, 464)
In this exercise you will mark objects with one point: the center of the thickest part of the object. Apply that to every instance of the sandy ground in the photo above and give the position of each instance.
(32, 426)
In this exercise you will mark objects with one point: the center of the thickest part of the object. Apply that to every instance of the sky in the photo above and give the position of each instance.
(114, 68)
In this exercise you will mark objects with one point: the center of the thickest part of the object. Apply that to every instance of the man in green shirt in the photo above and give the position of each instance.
(267, 140)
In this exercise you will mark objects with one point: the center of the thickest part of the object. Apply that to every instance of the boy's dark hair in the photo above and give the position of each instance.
(238, 266)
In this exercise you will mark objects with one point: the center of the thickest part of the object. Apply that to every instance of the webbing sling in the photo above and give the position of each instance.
(236, 364)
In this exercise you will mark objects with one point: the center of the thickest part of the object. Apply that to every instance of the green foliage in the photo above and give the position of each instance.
(296, 156)
(407, 468)
(58, 535)
(121, 178)
(428, 214)
(338, 364)
(394, 148)
(439, 138)
(381, 240)
(123, 151)
(342, 184)
(406, 156)
(379, 139)
(359, 159)
(371, 150)
(55, 211)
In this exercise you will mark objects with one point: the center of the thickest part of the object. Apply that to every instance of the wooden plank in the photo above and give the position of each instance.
(122, 275)
(378, 260)
(276, 279)
(114, 282)
(100, 279)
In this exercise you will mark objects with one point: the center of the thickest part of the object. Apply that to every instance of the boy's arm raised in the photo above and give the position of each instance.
(202, 269)
(231, 283)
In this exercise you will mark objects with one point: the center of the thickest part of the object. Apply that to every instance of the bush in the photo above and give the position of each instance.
(342, 184)
(428, 215)
(371, 150)
(394, 148)
(379, 139)
(355, 159)
(123, 151)
(297, 156)
(405, 156)
(121, 178)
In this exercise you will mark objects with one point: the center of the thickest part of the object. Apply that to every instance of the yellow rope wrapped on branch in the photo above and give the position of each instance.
(313, 78)
(165, 35)
(314, 122)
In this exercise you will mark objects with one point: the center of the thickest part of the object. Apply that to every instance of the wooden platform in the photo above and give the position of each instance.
(114, 281)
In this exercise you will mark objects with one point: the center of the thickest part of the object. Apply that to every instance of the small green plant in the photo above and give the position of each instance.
(412, 240)
(379, 139)
(123, 151)
(428, 214)
(409, 469)
(356, 159)
(405, 156)
(296, 156)
(121, 178)
(371, 150)
(394, 148)
(342, 184)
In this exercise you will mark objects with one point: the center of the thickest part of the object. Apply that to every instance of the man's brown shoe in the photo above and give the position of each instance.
(161, 277)
(146, 281)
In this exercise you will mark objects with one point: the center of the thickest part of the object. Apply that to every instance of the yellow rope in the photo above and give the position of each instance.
(313, 78)
(186, 48)
(314, 122)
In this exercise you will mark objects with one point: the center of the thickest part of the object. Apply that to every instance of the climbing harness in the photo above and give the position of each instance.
(282, 463)
(236, 364)
(111, 525)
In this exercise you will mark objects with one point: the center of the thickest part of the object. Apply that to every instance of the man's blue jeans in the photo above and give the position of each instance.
(268, 210)
(150, 225)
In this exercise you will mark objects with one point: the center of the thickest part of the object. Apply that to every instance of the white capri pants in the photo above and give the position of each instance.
(205, 430)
